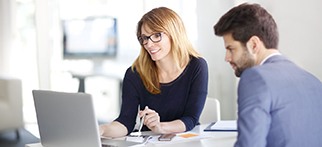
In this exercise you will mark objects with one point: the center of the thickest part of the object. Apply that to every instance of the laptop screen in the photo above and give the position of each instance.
(66, 119)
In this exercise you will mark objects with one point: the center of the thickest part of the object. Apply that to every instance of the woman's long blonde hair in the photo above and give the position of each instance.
(164, 20)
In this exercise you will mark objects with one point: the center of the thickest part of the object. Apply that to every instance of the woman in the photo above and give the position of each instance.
(168, 81)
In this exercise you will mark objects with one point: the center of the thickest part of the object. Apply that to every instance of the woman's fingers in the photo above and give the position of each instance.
(152, 119)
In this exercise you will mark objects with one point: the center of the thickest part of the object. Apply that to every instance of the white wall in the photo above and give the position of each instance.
(222, 82)
(6, 35)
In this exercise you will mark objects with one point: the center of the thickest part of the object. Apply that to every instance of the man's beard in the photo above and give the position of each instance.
(246, 61)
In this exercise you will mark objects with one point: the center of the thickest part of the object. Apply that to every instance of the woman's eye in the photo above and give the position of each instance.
(157, 35)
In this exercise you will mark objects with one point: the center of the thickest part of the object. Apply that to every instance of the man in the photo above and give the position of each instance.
(279, 104)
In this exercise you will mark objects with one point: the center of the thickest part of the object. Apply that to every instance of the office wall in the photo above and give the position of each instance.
(6, 35)
(300, 34)
(222, 82)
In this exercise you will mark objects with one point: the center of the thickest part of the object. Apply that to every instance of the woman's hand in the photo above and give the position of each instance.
(152, 120)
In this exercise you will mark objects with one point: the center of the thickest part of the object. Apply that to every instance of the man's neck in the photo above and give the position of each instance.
(266, 54)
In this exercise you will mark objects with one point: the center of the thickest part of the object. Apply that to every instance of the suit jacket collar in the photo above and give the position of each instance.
(275, 58)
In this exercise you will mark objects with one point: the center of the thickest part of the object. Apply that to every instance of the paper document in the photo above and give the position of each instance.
(139, 139)
(223, 125)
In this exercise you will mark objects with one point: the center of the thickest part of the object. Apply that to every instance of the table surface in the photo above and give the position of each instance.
(204, 139)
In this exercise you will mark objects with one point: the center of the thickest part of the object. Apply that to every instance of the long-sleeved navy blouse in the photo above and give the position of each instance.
(182, 99)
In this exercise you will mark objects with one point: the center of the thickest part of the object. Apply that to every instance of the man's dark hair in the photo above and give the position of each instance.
(247, 20)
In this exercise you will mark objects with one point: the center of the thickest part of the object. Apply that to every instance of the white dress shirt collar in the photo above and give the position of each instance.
(271, 55)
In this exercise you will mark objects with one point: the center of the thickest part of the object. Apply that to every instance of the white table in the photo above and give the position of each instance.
(211, 139)
(208, 139)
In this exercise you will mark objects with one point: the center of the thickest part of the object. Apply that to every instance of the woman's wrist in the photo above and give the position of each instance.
(176, 126)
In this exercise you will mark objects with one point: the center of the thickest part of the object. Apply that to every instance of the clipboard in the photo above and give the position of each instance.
(222, 125)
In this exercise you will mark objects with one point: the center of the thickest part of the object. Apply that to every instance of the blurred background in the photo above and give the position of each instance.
(86, 45)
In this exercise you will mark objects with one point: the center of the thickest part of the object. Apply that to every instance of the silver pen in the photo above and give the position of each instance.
(141, 124)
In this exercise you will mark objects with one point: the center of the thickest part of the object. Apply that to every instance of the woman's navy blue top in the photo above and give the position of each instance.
(182, 99)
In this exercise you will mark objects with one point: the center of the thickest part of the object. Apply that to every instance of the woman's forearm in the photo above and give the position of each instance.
(176, 126)
(114, 129)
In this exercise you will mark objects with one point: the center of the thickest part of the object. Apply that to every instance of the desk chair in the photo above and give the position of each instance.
(11, 104)
(211, 111)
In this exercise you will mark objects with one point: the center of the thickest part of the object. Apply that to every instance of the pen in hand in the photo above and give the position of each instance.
(141, 124)
(142, 121)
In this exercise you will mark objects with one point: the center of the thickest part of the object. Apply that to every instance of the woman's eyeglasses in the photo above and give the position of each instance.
(156, 37)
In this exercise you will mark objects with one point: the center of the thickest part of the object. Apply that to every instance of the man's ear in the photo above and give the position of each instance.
(253, 44)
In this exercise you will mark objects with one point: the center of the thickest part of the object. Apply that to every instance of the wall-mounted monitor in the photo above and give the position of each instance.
(92, 38)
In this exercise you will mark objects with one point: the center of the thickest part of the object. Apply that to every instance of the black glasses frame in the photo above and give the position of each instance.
(143, 38)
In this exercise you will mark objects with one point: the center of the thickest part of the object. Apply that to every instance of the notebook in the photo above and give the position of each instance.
(68, 120)
(222, 125)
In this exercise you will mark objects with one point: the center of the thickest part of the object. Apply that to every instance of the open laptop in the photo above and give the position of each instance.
(68, 120)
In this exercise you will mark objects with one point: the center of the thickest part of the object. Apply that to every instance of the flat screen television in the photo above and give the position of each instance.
(92, 38)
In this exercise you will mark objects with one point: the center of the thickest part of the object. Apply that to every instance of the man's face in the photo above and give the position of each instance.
(238, 55)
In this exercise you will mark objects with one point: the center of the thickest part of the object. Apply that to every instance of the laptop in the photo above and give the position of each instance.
(68, 120)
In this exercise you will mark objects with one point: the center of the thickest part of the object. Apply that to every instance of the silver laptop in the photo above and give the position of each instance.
(68, 120)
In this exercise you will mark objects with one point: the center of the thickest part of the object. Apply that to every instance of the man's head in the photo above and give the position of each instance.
(246, 29)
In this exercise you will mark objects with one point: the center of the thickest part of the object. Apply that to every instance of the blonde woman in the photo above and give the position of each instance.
(168, 80)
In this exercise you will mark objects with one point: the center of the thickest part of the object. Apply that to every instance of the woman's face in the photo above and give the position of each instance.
(157, 44)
